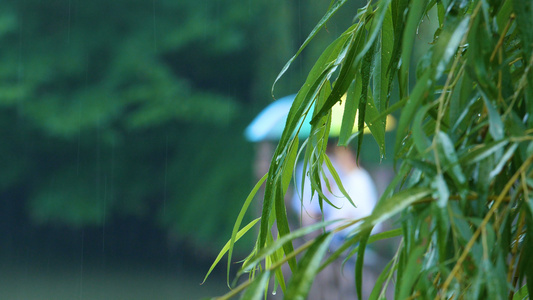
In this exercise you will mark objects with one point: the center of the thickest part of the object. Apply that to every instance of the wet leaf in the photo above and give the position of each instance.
(331, 11)
(229, 247)
(256, 259)
(283, 223)
(256, 290)
(360, 263)
(302, 279)
(350, 109)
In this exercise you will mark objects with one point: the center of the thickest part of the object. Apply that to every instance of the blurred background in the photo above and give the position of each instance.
(123, 163)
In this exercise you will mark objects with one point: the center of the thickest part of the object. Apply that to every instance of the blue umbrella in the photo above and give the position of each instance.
(269, 124)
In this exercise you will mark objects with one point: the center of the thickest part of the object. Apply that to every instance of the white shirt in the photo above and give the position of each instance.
(357, 183)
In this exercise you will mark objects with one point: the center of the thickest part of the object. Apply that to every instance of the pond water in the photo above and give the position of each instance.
(27, 278)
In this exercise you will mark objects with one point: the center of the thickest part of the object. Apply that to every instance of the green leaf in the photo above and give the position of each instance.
(524, 19)
(415, 14)
(495, 121)
(290, 164)
(256, 259)
(446, 47)
(382, 75)
(385, 275)
(386, 208)
(442, 194)
(301, 281)
(346, 75)
(345, 78)
(481, 152)
(337, 179)
(331, 11)
(419, 94)
(411, 273)
(521, 294)
(376, 127)
(256, 290)
(503, 161)
(377, 237)
(398, 10)
(365, 101)
(450, 160)
(283, 223)
(419, 137)
(229, 246)
(350, 110)
(360, 263)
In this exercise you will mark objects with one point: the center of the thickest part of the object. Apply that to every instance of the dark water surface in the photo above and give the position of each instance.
(38, 277)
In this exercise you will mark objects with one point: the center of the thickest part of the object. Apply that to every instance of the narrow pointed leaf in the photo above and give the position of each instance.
(331, 11)
(337, 179)
(360, 263)
(350, 110)
(256, 290)
(283, 223)
(280, 242)
(228, 246)
(301, 281)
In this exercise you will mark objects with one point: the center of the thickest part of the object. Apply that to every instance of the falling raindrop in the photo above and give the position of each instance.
(165, 183)
(104, 213)
(69, 19)
(81, 263)
(155, 39)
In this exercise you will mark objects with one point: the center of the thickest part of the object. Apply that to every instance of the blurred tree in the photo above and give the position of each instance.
(137, 107)
(124, 107)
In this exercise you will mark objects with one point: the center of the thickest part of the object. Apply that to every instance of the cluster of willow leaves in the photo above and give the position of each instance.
(462, 193)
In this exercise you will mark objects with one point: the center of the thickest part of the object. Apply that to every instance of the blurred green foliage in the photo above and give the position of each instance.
(137, 107)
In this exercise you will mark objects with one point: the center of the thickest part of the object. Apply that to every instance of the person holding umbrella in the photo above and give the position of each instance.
(266, 128)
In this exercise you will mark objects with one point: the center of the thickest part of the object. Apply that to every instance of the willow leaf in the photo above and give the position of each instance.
(524, 19)
(391, 206)
(346, 75)
(521, 294)
(365, 101)
(280, 242)
(360, 263)
(283, 223)
(331, 11)
(374, 238)
(382, 75)
(410, 273)
(481, 152)
(446, 47)
(419, 94)
(301, 281)
(385, 275)
(228, 246)
(451, 162)
(495, 121)
(289, 164)
(420, 139)
(257, 289)
(235, 232)
(415, 14)
(352, 62)
(350, 110)
(337, 179)
(376, 124)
